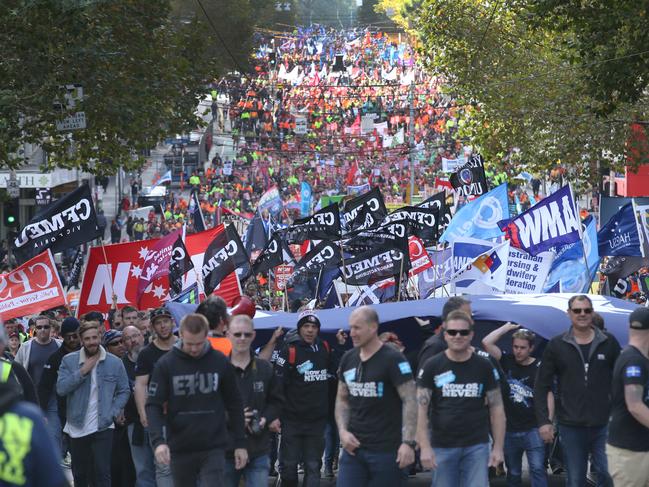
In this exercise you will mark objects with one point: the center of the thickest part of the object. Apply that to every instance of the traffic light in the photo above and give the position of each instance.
(10, 212)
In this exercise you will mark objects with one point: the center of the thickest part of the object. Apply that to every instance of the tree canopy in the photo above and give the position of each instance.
(143, 64)
(523, 81)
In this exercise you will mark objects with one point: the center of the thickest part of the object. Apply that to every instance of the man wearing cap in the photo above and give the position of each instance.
(580, 362)
(305, 366)
(162, 324)
(46, 387)
(627, 448)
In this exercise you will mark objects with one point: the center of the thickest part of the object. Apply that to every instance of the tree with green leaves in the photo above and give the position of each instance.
(519, 83)
(142, 65)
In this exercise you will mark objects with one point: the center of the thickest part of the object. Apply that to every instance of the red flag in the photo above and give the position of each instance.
(156, 262)
(33, 287)
(353, 173)
(124, 265)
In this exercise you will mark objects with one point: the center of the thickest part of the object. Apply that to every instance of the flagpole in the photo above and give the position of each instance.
(342, 256)
(581, 238)
(317, 286)
(400, 279)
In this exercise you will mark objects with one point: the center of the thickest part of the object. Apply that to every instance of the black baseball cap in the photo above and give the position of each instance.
(639, 319)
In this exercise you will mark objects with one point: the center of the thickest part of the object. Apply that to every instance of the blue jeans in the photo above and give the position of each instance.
(368, 468)
(577, 442)
(255, 473)
(332, 443)
(54, 425)
(148, 472)
(462, 466)
(529, 442)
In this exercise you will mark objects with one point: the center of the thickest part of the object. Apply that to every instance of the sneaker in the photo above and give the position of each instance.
(329, 471)
(67, 461)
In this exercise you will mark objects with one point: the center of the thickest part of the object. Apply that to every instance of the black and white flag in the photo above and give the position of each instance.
(423, 222)
(358, 210)
(224, 255)
(325, 255)
(470, 179)
(375, 265)
(66, 223)
(180, 263)
(322, 225)
(75, 271)
(394, 234)
(438, 202)
(275, 253)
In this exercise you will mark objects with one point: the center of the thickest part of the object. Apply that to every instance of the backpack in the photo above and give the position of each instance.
(292, 352)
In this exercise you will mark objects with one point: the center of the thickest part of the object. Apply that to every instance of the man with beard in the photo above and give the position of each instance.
(162, 324)
(96, 388)
(70, 334)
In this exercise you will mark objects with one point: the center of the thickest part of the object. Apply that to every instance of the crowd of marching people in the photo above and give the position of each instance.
(150, 401)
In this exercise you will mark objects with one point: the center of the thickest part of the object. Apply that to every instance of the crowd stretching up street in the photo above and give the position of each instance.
(348, 180)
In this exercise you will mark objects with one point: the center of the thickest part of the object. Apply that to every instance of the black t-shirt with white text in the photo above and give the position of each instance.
(374, 402)
(519, 401)
(147, 358)
(624, 431)
(460, 415)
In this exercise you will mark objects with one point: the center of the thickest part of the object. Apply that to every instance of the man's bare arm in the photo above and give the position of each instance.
(407, 392)
(497, 417)
(423, 404)
(342, 407)
(633, 395)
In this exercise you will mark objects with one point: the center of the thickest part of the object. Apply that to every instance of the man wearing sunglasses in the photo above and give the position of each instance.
(33, 354)
(581, 361)
(462, 390)
(262, 404)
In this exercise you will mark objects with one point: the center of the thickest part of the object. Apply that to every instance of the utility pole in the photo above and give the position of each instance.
(411, 139)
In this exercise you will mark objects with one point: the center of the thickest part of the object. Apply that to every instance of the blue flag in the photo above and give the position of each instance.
(552, 222)
(620, 235)
(568, 269)
(480, 217)
(306, 197)
(194, 209)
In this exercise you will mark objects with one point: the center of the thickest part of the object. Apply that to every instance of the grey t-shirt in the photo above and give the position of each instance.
(38, 356)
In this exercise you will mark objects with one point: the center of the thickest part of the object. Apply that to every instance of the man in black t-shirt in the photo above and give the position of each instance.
(162, 324)
(375, 382)
(628, 435)
(463, 389)
(522, 435)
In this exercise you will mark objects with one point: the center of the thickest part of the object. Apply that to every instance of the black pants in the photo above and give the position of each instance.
(122, 469)
(91, 459)
(206, 467)
(301, 442)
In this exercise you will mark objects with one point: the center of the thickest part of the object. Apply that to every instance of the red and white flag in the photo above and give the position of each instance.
(353, 173)
(31, 288)
(124, 264)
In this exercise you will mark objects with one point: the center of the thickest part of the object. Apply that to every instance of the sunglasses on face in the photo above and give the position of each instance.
(43, 327)
(579, 311)
(463, 333)
(114, 343)
(241, 334)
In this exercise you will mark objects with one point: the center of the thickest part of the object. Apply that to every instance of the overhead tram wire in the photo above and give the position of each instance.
(222, 41)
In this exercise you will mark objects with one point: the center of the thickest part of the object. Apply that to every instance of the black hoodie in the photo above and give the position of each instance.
(306, 379)
(199, 393)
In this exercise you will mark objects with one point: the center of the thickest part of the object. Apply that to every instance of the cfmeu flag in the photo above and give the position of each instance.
(486, 273)
(620, 235)
(552, 222)
(480, 217)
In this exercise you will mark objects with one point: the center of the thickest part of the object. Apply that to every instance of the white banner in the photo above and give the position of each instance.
(527, 273)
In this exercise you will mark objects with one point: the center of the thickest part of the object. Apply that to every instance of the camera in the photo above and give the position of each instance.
(254, 426)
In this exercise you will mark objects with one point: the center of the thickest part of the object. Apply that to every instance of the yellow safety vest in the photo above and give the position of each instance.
(5, 370)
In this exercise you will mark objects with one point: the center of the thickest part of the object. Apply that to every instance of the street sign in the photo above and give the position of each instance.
(282, 273)
(300, 125)
(73, 122)
(43, 196)
(13, 188)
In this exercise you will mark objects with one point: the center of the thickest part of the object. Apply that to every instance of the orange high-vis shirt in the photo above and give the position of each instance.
(221, 344)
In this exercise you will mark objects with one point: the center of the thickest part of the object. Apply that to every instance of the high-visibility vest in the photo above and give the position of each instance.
(5, 370)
